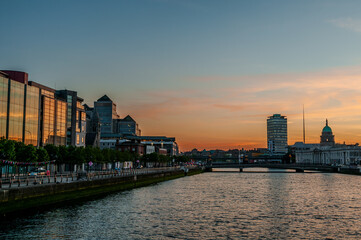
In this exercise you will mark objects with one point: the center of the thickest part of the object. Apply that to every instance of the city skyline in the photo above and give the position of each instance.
(205, 72)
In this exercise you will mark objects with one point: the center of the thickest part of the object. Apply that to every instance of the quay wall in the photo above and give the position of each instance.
(16, 200)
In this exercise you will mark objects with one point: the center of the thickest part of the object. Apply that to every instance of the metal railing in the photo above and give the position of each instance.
(17, 181)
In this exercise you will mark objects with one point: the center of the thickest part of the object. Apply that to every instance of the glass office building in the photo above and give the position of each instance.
(107, 112)
(4, 87)
(16, 111)
(33, 113)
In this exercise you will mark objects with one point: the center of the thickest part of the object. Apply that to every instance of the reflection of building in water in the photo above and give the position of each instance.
(327, 152)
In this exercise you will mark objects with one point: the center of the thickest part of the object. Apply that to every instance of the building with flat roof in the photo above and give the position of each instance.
(277, 134)
(31, 112)
(76, 118)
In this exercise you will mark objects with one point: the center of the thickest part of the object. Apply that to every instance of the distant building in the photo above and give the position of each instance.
(92, 127)
(126, 126)
(327, 152)
(327, 138)
(107, 112)
(277, 134)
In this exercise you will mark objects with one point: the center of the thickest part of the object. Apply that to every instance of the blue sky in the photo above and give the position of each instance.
(154, 56)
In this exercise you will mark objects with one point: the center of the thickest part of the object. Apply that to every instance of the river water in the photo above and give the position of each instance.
(216, 205)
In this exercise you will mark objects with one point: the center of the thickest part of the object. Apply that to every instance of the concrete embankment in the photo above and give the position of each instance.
(24, 198)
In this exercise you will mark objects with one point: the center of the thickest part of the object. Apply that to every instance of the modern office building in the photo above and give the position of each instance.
(277, 134)
(107, 112)
(92, 127)
(31, 112)
(76, 118)
(126, 126)
(52, 116)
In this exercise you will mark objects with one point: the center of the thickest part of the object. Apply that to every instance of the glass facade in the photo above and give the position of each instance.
(16, 113)
(38, 115)
(106, 114)
(3, 104)
(32, 115)
(61, 113)
(48, 120)
(69, 111)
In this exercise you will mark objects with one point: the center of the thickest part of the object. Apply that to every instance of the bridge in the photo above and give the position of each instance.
(297, 167)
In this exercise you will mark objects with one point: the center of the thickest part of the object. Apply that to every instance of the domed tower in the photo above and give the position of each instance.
(327, 138)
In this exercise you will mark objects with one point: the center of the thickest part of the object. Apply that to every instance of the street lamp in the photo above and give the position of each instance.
(52, 131)
(31, 136)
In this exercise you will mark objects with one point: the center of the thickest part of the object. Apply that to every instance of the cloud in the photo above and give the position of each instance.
(229, 111)
(347, 23)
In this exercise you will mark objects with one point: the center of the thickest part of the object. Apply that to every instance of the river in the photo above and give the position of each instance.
(215, 205)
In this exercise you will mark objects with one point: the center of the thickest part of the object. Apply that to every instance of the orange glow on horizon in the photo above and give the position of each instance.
(231, 112)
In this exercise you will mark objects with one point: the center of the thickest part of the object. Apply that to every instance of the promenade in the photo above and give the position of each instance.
(18, 181)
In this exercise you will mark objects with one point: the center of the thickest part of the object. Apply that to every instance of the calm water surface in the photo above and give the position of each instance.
(214, 205)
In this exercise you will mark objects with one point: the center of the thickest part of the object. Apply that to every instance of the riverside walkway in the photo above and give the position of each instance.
(17, 181)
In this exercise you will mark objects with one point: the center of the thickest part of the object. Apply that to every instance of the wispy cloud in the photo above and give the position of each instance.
(225, 111)
(347, 23)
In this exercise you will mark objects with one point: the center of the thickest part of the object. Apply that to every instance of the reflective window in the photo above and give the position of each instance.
(16, 114)
(61, 123)
(32, 115)
(48, 120)
(3, 105)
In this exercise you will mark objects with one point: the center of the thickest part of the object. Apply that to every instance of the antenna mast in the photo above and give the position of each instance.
(304, 133)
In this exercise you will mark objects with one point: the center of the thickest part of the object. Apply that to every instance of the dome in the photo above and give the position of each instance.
(327, 129)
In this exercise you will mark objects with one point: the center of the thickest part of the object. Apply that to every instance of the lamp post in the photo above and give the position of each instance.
(31, 135)
(52, 131)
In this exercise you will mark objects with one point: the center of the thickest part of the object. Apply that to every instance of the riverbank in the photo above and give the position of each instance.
(13, 201)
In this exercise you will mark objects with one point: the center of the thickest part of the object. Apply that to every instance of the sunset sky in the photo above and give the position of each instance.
(206, 72)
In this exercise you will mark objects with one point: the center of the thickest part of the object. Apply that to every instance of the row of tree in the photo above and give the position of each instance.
(19, 152)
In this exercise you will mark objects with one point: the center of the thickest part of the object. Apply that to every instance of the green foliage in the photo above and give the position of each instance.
(42, 155)
(53, 151)
(7, 149)
(18, 151)
(26, 153)
(181, 159)
(62, 154)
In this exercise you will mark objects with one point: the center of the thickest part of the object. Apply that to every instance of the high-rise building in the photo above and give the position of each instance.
(107, 112)
(277, 133)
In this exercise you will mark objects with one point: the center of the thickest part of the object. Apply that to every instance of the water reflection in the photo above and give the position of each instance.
(210, 206)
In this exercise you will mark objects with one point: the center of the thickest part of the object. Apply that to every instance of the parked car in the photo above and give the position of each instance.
(37, 171)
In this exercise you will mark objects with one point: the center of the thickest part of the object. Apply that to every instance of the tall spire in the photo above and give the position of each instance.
(304, 132)
(326, 122)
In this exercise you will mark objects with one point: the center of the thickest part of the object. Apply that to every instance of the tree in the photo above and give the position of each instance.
(62, 154)
(42, 155)
(27, 153)
(7, 149)
(53, 151)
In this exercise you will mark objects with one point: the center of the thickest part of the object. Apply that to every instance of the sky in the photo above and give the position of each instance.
(208, 73)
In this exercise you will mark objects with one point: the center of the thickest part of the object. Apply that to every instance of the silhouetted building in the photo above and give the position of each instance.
(92, 137)
(277, 134)
(327, 138)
